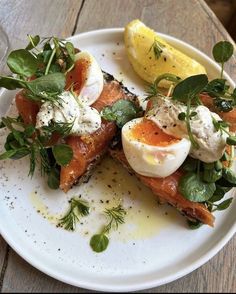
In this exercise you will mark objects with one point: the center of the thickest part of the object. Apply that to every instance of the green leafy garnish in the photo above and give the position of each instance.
(223, 99)
(22, 62)
(121, 112)
(115, 215)
(193, 188)
(78, 208)
(222, 51)
(54, 178)
(99, 243)
(224, 204)
(33, 42)
(193, 225)
(186, 91)
(19, 143)
(62, 153)
(157, 48)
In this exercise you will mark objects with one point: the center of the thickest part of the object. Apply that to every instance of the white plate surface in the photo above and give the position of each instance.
(152, 248)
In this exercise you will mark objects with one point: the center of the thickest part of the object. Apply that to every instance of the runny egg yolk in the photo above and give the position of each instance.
(148, 132)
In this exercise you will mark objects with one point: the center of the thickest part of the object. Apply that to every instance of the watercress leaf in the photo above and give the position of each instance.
(231, 140)
(190, 87)
(52, 83)
(193, 225)
(29, 130)
(208, 166)
(216, 87)
(54, 68)
(21, 152)
(218, 165)
(190, 164)
(22, 62)
(222, 51)
(54, 178)
(194, 189)
(11, 142)
(19, 137)
(7, 154)
(34, 40)
(62, 153)
(211, 175)
(70, 50)
(219, 193)
(45, 56)
(11, 83)
(225, 204)
(121, 112)
(99, 242)
(229, 175)
(182, 116)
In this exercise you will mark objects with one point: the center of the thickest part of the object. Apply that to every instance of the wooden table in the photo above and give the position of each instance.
(189, 20)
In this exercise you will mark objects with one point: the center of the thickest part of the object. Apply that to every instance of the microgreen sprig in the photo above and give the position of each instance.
(153, 90)
(222, 52)
(115, 215)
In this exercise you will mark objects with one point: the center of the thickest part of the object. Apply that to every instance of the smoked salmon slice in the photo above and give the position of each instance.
(166, 189)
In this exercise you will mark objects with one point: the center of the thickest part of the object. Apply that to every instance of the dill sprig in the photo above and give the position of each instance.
(78, 208)
(116, 217)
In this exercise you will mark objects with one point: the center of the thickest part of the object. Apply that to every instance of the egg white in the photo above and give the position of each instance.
(93, 84)
(153, 161)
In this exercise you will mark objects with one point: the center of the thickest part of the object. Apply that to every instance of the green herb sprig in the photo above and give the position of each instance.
(157, 48)
(224, 99)
(25, 140)
(116, 217)
(78, 208)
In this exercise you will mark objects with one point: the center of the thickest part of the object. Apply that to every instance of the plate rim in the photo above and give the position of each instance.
(143, 285)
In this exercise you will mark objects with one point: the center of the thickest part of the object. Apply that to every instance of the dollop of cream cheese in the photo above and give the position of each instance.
(69, 109)
(211, 142)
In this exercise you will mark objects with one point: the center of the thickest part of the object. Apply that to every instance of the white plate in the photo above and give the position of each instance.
(152, 248)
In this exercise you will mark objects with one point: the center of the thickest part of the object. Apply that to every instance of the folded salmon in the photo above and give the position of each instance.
(166, 189)
(88, 150)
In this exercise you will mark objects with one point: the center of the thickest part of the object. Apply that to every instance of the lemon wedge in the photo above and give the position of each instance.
(152, 56)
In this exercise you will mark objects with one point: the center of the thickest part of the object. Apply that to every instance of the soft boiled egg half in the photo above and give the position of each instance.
(150, 151)
(86, 78)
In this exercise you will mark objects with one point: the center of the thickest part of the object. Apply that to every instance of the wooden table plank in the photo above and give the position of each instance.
(46, 18)
(168, 16)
